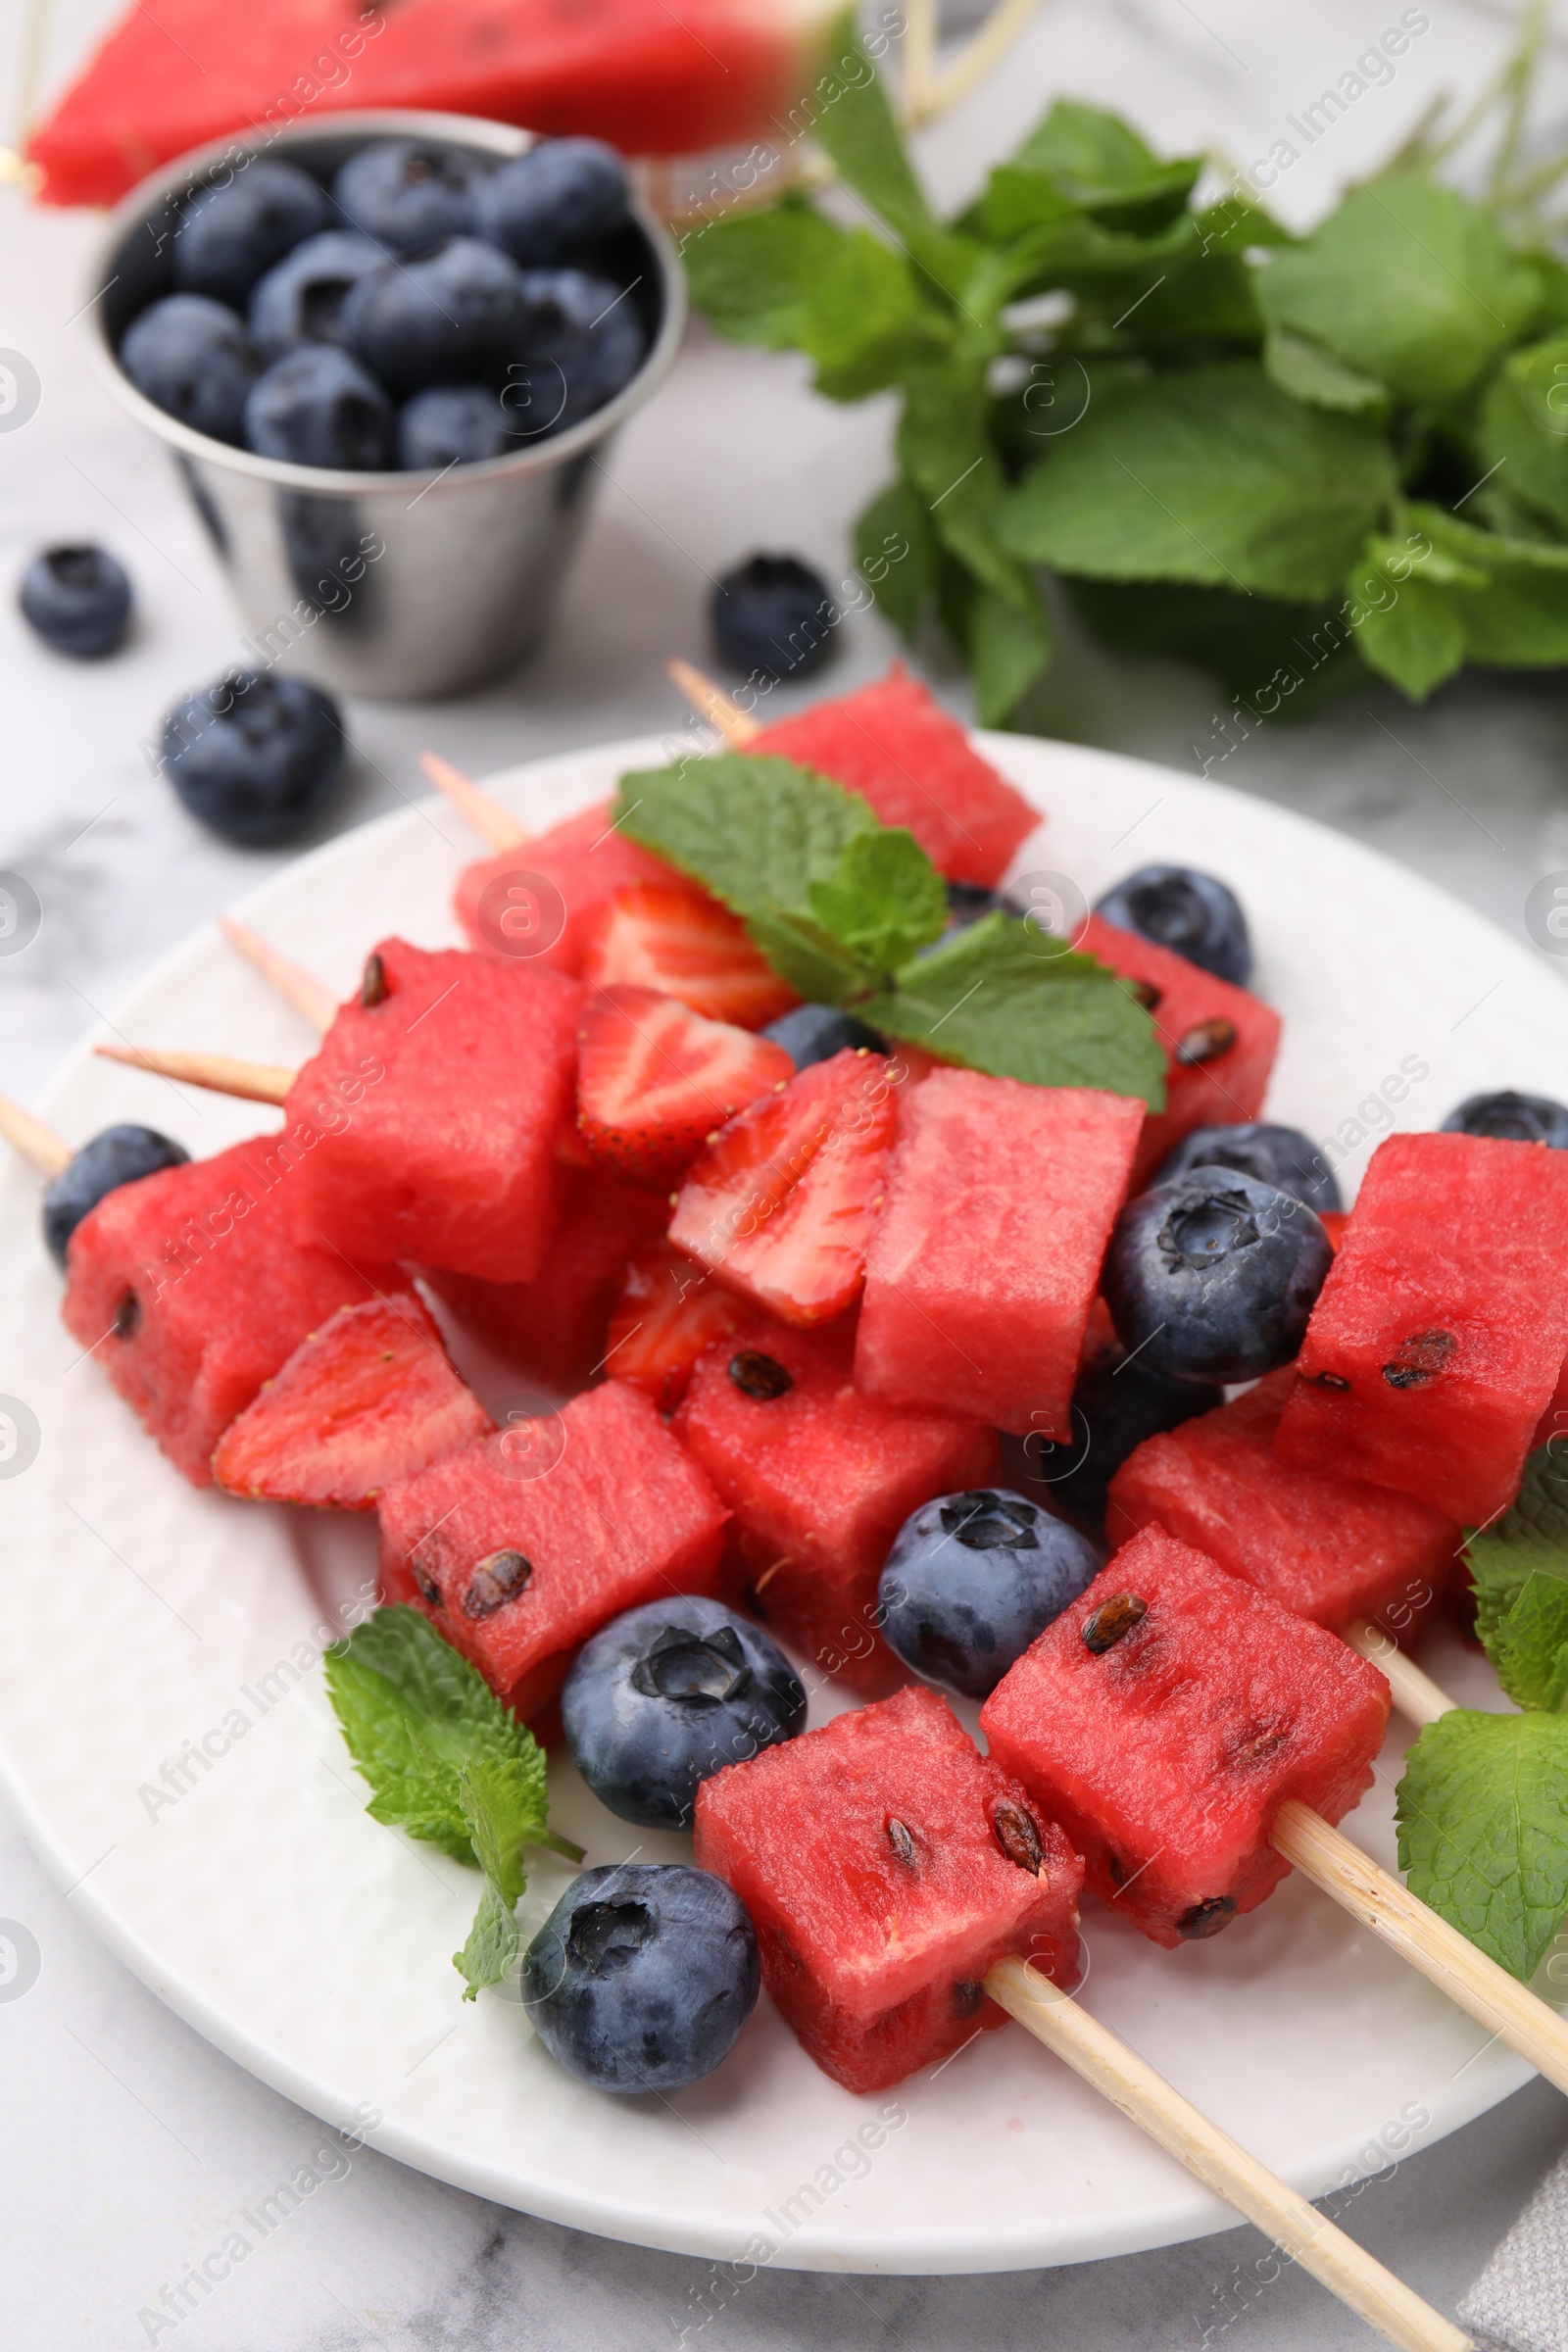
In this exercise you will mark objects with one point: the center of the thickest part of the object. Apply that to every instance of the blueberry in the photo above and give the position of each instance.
(582, 342)
(230, 238)
(301, 299)
(642, 1976)
(405, 193)
(1511, 1118)
(453, 425)
(77, 599)
(442, 316)
(1194, 914)
(817, 1032)
(973, 1580)
(319, 407)
(1282, 1156)
(1212, 1276)
(969, 902)
(666, 1696)
(119, 1156)
(560, 202)
(254, 756)
(1115, 1405)
(192, 358)
(772, 617)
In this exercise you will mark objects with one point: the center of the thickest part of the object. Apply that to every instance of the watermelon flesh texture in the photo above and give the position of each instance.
(583, 861)
(876, 1955)
(896, 747)
(649, 80)
(819, 1480)
(1438, 1340)
(189, 1291)
(601, 1502)
(556, 1327)
(425, 1125)
(1324, 1546)
(984, 1260)
(1222, 1091)
(1166, 1756)
(370, 1397)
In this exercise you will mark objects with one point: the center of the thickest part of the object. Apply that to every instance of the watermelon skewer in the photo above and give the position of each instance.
(1418, 1699)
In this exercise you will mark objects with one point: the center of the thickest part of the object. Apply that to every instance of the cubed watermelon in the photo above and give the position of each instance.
(1164, 1720)
(583, 862)
(1220, 1041)
(189, 1289)
(424, 1128)
(819, 1480)
(1324, 1546)
(984, 1260)
(522, 1547)
(1438, 1340)
(886, 1865)
(895, 744)
(555, 1328)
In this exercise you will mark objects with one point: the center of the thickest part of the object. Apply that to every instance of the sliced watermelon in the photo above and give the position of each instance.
(781, 1205)
(1323, 1546)
(424, 1128)
(896, 746)
(556, 1327)
(522, 1547)
(1438, 1340)
(655, 1080)
(1165, 1718)
(675, 938)
(650, 79)
(580, 863)
(985, 1263)
(886, 1865)
(1220, 1041)
(819, 1480)
(189, 1291)
(370, 1397)
(669, 1312)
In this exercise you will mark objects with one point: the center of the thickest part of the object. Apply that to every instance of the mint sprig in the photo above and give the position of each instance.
(446, 1762)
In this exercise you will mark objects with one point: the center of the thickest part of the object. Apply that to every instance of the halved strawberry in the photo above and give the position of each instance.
(655, 1079)
(674, 937)
(780, 1205)
(668, 1311)
(367, 1399)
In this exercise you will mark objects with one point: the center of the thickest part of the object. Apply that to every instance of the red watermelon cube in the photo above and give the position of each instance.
(189, 1291)
(1438, 1340)
(898, 748)
(526, 1544)
(984, 1263)
(886, 1865)
(540, 902)
(1324, 1546)
(424, 1129)
(819, 1479)
(1164, 1720)
(1220, 1041)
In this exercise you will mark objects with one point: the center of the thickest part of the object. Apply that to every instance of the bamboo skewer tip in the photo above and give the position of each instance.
(710, 702)
(495, 825)
(310, 997)
(32, 1141)
(218, 1074)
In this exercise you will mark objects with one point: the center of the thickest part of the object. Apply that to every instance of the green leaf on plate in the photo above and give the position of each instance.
(885, 901)
(1483, 1815)
(1530, 1648)
(1530, 1538)
(492, 1945)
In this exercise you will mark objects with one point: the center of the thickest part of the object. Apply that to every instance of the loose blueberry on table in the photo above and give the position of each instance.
(771, 618)
(77, 599)
(254, 756)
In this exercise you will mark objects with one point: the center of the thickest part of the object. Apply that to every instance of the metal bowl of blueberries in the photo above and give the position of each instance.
(385, 355)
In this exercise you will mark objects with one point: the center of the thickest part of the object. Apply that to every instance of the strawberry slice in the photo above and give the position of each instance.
(780, 1205)
(674, 937)
(669, 1312)
(655, 1079)
(367, 1399)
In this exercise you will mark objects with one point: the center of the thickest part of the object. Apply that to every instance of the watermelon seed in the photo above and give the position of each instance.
(1146, 991)
(693, 1667)
(759, 1376)
(373, 989)
(1204, 1042)
(966, 1997)
(901, 1842)
(128, 1315)
(427, 1582)
(1329, 1380)
(1112, 1620)
(1207, 1918)
(498, 1579)
(1019, 1837)
(1421, 1356)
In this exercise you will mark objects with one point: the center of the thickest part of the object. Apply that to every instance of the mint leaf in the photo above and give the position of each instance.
(856, 127)
(1483, 1817)
(1016, 200)
(1001, 997)
(1411, 631)
(1511, 592)
(503, 1804)
(1308, 372)
(1098, 160)
(1524, 426)
(1008, 647)
(492, 1945)
(885, 899)
(1530, 1538)
(896, 555)
(1530, 1648)
(753, 276)
(864, 320)
(1209, 474)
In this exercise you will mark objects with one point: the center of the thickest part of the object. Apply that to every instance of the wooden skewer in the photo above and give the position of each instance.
(493, 823)
(49, 1153)
(1416, 1696)
(712, 703)
(219, 1073)
(293, 983)
(1295, 2226)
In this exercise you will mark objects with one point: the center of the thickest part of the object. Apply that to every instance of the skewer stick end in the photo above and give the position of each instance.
(712, 703)
(494, 824)
(31, 1140)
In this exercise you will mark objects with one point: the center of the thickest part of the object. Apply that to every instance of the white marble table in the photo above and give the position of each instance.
(126, 2138)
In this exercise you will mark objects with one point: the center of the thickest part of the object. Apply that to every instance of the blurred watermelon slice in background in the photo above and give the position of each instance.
(651, 80)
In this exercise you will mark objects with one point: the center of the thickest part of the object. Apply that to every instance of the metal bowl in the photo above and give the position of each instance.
(401, 585)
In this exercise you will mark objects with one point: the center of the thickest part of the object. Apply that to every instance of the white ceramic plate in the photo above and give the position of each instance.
(150, 1626)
